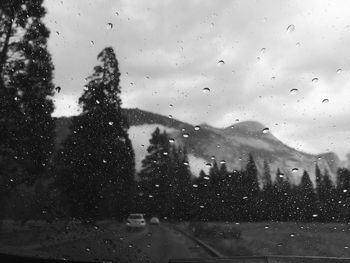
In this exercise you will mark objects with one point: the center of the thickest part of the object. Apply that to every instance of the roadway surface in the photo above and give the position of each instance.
(115, 244)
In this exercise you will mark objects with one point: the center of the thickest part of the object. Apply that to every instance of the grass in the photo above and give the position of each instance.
(283, 238)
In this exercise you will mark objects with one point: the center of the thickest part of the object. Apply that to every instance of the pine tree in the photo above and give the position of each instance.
(157, 172)
(266, 204)
(281, 196)
(181, 184)
(306, 199)
(343, 194)
(250, 187)
(26, 126)
(327, 197)
(98, 159)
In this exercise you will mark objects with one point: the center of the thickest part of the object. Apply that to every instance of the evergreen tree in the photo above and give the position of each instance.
(26, 126)
(327, 197)
(281, 196)
(306, 199)
(343, 194)
(250, 187)
(318, 177)
(266, 204)
(182, 185)
(96, 172)
(157, 171)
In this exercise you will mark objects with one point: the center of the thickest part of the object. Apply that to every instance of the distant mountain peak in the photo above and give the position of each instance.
(248, 127)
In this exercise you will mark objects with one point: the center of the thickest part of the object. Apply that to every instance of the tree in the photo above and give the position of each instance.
(156, 170)
(266, 205)
(26, 126)
(250, 187)
(343, 194)
(96, 173)
(326, 196)
(281, 195)
(306, 199)
(165, 170)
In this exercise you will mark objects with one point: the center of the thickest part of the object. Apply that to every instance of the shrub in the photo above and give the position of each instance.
(215, 230)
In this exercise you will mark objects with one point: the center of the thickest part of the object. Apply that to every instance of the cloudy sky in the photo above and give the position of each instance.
(169, 51)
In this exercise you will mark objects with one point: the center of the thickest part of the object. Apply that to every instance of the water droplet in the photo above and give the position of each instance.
(110, 123)
(222, 161)
(293, 91)
(221, 63)
(267, 227)
(109, 25)
(292, 235)
(315, 215)
(212, 157)
(197, 128)
(266, 130)
(171, 105)
(339, 71)
(325, 101)
(156, 185)
(201, 206)
(170, 116)
(92, 42)
(186, 163)
(245, 197)
(206, 178)
(314, 80)
(206, 90)
(297, 44)
(58, 89)
(345, 190)
(117, 13)
(185, 135)
(346, 246)
(97, 102)
(290, 28)
(104, 161)
(208, 164)
(88, 249)
(195, 185)
(263, 50)
(165, 153)
(171, 140)
(294, 170)
(130, 245)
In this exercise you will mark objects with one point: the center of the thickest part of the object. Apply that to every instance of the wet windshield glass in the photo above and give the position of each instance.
(146, 131)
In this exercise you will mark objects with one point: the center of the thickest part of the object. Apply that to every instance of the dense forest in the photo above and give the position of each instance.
(93, 175)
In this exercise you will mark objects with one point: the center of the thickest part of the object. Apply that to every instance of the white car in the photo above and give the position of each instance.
(135, 221)
(154, 221)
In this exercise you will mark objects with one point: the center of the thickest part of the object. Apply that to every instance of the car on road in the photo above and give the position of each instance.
(154, 221)
(135, 221)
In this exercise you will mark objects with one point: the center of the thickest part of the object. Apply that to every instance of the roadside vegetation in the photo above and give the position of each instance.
(275, 238)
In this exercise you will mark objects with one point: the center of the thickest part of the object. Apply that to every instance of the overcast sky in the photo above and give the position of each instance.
(168, 52)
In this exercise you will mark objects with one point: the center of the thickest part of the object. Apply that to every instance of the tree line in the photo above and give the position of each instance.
(93, 175)
(168, 189)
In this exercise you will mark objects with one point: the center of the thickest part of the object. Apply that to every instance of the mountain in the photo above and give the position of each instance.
(231, 145)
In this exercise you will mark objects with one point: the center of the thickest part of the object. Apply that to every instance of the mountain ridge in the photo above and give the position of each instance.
(232, 144)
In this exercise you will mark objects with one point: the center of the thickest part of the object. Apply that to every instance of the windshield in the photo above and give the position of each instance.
(219, 128)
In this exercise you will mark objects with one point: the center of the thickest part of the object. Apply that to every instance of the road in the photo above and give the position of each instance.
(114, 244)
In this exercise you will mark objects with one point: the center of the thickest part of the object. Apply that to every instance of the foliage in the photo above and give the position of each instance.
(95, 170)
